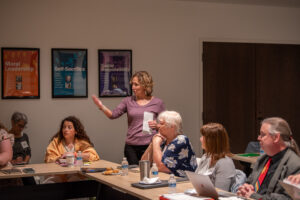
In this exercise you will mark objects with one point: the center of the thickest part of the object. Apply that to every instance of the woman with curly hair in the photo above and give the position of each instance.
(142, 102)
(71, 137)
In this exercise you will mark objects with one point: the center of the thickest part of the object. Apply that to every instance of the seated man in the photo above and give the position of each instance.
(279, 161)
(172, 151)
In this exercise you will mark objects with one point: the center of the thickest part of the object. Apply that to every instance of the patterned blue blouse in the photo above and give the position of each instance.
(179, 156)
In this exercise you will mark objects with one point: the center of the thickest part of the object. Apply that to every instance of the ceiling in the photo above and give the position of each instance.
(279, 3)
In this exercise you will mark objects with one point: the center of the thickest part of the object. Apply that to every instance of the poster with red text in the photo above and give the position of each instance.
(20, 73)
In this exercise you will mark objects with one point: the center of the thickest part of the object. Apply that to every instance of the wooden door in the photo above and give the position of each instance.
(278, 84)
(229, 90)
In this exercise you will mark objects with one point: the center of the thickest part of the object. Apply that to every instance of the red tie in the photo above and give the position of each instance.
(262, 175)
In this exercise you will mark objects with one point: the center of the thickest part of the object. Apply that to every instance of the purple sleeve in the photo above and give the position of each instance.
(162, 107)
(120, 109)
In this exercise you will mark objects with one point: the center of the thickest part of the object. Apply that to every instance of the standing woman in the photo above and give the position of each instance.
(135, 106)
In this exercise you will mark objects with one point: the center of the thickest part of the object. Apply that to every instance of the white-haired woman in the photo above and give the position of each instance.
(172, 151)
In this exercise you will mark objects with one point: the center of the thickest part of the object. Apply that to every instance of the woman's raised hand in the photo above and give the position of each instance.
(97, 102)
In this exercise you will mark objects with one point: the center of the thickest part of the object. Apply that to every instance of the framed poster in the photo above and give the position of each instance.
(115, 68)
(69, 73)
(20, 73)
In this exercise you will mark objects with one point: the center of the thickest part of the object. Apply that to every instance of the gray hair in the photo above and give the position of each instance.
(18, 116)
(172, 118)
(279, 125)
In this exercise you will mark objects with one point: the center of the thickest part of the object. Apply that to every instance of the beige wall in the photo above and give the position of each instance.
(165, 37)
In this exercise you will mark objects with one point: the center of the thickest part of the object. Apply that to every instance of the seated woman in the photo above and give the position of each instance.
(21, 146)
(71, 137)
(177, 154)
(5, 147)
(6, 154)
(216, 161)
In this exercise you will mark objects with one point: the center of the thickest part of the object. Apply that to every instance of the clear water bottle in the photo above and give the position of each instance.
(79, 161)
(70, 159)
(261, 151)
(172, 184)
(154, 171)
(124, 166)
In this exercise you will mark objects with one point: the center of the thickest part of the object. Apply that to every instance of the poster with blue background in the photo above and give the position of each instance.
(69, 73)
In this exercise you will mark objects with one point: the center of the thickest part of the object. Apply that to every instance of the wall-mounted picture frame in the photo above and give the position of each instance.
(20, 73)
(69, 73)
(115, 69)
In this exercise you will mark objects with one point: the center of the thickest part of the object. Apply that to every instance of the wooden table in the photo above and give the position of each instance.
(93, 187)
(42, 169)
(47, 191)
(248, 159)
(123, 183)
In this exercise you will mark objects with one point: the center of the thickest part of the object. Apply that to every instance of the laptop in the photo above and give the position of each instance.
(202, 185)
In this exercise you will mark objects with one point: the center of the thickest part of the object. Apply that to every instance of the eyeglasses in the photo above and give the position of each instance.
(21, 125)
(261, 135)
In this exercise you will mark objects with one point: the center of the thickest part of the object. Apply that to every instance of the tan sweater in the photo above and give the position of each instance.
(55, 150)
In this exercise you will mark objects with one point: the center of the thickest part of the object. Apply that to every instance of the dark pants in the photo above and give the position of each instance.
(133, 153)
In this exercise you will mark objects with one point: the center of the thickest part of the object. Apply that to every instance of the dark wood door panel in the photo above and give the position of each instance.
(229, 90)
(278, 83)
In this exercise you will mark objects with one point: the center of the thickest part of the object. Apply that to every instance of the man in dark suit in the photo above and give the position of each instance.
(279, 161)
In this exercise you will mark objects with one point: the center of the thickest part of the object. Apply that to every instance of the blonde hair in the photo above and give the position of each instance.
(145, 79)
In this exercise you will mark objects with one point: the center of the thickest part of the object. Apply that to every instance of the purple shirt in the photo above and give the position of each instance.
(135, 116)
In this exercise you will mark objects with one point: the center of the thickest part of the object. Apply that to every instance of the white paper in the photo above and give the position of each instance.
(292, 189)
(182, 196)
(148, 116)
(24, 144)
(150, 181)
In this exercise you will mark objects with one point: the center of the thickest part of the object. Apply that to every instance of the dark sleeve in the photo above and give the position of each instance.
(271, 196)
(292, 167)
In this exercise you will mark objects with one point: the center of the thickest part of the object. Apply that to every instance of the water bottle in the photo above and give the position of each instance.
(70, 159)
(261, 151)
(124, 165)
(172, 184)
(154, 170)
(79, 161)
